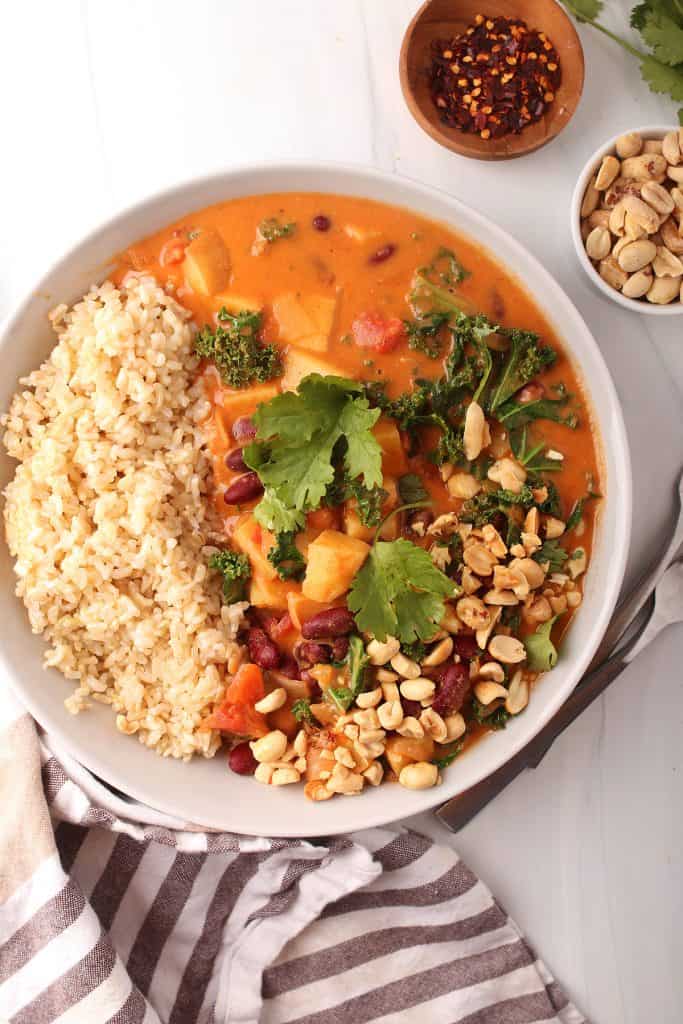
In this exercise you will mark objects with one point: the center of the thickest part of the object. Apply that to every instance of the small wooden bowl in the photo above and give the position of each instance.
(444, 19)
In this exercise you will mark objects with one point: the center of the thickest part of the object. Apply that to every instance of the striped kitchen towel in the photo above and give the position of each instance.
(110, 911)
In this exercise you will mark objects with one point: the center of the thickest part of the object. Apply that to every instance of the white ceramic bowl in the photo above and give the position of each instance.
(651, 131)
(205, 791)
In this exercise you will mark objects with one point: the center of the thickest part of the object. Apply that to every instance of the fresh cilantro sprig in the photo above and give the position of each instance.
(300, 436)
(552, 553)
(399, 592)
(449, 758)
(301, 709)
(660, 23)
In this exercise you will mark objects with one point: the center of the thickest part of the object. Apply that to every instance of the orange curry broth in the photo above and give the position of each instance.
(336, 263)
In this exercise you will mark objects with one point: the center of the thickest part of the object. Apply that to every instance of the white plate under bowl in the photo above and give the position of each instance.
(205, 791)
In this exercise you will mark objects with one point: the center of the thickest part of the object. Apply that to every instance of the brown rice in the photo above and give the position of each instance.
(107, 516)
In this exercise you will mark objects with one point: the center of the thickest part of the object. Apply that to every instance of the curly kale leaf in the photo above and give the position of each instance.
(286, 557)
(235, 570)
(235, 348)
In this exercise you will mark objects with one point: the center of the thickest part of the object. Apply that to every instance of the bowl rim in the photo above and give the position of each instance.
(353, 815)
(431, 126)
(651, 131)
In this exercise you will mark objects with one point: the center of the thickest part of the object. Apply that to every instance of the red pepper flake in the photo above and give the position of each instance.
(507, 75)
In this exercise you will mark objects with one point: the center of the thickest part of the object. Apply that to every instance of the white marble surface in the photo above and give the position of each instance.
(104, 102)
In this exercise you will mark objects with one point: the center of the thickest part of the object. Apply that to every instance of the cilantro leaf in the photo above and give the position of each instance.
(297, 436)
(540, 650)
(399, 592)
(286, 557)
(551, 552)
(496, 719)
(301, 709)
(662, 78)
(664, 36)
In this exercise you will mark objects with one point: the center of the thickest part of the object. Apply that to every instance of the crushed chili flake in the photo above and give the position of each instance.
(507, 75)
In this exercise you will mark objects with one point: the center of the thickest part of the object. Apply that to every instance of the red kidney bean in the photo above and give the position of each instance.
(241, 760)
(340, 648)
(235, 461)
(244, 488)
(382, 254)
(411, 707)
(244, 429)
(333, 622)
(452, 689)
(312, 653)
(321, 222)
(262, 650)
(288, 667)
(466, 646)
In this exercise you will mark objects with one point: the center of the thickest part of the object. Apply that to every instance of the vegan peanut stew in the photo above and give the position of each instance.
(396, 514)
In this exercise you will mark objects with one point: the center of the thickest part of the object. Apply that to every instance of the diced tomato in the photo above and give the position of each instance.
(172, 252)
(383, 334)
(236, 713)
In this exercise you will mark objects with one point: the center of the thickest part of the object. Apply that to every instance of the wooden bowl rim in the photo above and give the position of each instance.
(464, 148)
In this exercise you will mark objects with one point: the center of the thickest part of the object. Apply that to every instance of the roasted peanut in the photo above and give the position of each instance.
(642, 213)
(487, 692)
(434, 725)
(617, 219)
(676, 174)
(369, 699)
(598, 245)
(507, 649)
(652, 146)
(657, 197)
(272, 701)
(553, 527)
(670, 236)
(618, 189)
(463, 485)
(421, 775)
(440, 653)
(518, 694)
(636, 255)
(381, 653)
(492, 672)
(638, 284)
(591, 198)
(455, 727)
(598, 219)
(633, 229)
(612, 274)
(664, 290)
(390, 714)
(509, 474)
(285, 776)
(476, 431)
(629, 144)
(417, 689)
(473, 612)
(645, 167)
(671, 149)
(608, 171)
(666, 264)
(479, 559)
(405, 667)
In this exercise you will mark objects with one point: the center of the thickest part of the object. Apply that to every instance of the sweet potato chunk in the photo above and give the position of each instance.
(243, 403)
(402, 750)
(207, 263)
(254, 541)
(298, 364)
(334, 558)
(389, 439)
(292, 319)
(269, 593)
(236, 303)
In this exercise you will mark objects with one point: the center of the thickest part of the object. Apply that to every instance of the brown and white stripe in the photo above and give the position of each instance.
(111, 911)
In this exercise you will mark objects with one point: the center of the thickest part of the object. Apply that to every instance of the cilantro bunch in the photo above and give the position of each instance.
(660, 23)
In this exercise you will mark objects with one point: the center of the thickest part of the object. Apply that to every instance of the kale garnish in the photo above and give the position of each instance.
(286, 557)
(235, 348)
